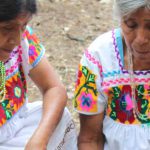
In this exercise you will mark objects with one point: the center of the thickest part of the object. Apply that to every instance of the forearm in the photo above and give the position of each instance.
(54, 101)
(91, 135)
(91, 145)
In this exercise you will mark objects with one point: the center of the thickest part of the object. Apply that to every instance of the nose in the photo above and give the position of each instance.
(15, 38)
(142, 37)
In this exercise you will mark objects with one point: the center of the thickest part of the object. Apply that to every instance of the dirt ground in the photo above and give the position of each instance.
(66, 28)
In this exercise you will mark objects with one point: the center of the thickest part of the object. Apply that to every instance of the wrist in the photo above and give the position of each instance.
(43, 134)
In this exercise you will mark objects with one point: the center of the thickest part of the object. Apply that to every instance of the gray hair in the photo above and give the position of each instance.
(125, 7)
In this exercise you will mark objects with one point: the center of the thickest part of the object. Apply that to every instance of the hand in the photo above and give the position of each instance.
(35, 143)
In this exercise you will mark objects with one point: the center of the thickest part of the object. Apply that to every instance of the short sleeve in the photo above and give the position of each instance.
(88, 95)
(33, 50)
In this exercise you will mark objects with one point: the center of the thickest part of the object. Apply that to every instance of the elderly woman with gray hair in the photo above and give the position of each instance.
(112, 91)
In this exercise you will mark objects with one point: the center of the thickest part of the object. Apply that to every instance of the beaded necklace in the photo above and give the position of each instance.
(2, 81)
(133, 86)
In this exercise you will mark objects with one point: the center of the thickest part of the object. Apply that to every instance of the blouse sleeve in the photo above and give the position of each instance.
(88, 97)
(33, 49)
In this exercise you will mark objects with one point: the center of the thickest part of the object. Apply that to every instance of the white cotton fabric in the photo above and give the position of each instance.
(16, 133)
(125, 137)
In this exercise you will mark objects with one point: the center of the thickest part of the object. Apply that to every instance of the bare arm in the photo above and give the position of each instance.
(54, 101)
(91, 136)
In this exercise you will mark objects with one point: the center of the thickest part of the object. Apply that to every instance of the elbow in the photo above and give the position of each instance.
(59, 92)
(63, 94)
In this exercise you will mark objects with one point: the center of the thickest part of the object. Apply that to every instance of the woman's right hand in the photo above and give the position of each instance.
(91, 136)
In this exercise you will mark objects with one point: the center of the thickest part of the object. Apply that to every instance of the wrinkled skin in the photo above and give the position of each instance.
(136, 33)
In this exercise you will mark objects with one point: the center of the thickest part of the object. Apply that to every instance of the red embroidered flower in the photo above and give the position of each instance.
(15, 91)
(2, 115)
(78, 78)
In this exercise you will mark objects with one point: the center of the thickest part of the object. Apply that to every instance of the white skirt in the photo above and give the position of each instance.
(15, 134)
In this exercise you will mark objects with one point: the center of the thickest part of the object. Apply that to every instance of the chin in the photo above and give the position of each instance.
(4, 59)
(141, 55)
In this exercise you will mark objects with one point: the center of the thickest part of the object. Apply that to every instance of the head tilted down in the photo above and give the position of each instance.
(14, 16)
(134, 18)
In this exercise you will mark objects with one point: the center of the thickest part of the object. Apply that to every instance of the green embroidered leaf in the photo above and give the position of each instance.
(8, 114)
(144, 106)
(116, 92)
(143, 118)
(91, 78)
(140, 90)
(113, 105)
(85, 71)
(113, 115)
(5, 103)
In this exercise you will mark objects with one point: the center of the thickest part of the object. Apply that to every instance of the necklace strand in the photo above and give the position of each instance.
(2, 80)
(133, 86)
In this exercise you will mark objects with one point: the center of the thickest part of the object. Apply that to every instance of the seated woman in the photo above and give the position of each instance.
(25, 126)
(113, 87)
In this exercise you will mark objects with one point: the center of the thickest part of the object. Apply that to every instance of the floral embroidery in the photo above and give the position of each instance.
(86, 93)
(120, 106)
(17, 92)
(15, 96)
(36, 50)
(15, 79)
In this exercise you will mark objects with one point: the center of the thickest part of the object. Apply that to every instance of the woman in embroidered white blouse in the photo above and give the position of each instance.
(23, 125)
(112, 93)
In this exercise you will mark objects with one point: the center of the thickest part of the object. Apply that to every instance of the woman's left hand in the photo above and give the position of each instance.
(36, 143)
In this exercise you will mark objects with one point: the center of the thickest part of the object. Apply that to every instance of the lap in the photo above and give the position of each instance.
(63, 137)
